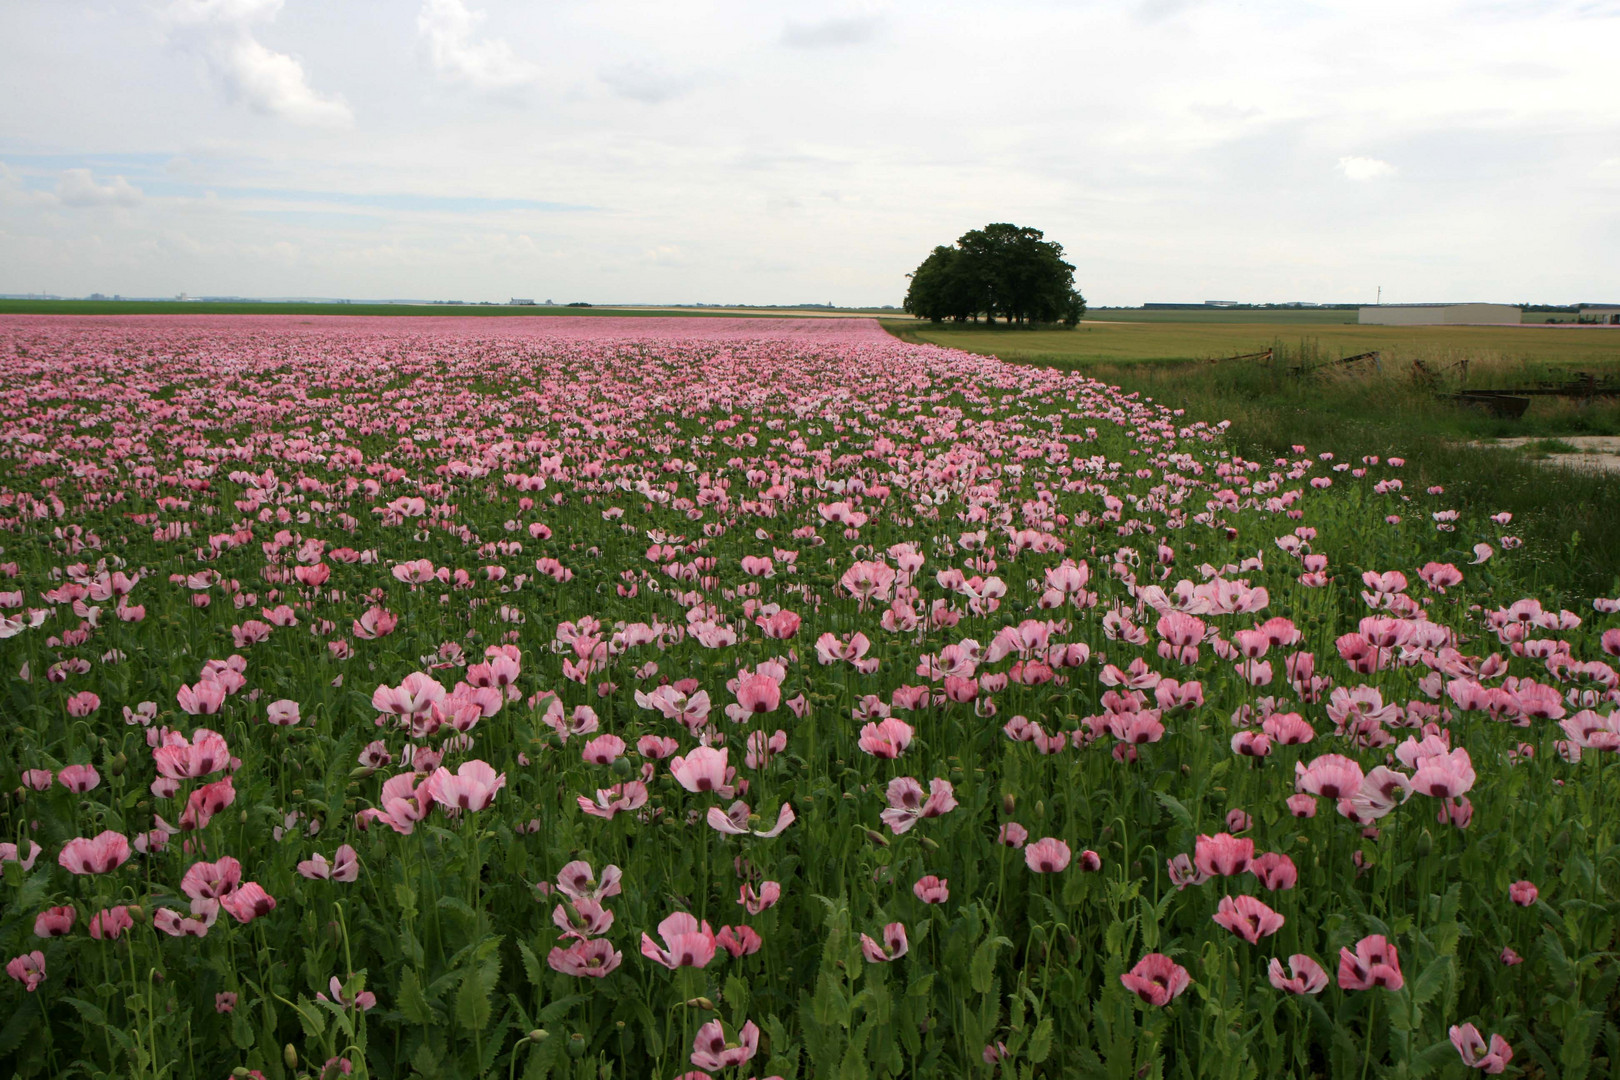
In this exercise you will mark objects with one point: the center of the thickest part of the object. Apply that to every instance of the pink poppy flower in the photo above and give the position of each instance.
(28, 969)
(1275, 870)
(1523, 893)
(248, 902)
(205, 802)
(1248, 918)
(712, 1050)
(894, 945)
(603, 750)
(344, 867)
(1012, 835)
(888, 738)
(105, 853)
(79, 778)
(1223, 854)
(704, 769)
(283, 713)
(578, 880)
(739, 941)
(111, 923)
(758, 693)
(594, 959)
(1476, 1054)
(907, 805)
(1156, 979)
(687, 943)
(365, 1000)
(470, 787)
(225, 1002)
(755, 902)
(1374, 963)
(1047, 855)
(54, 922)
(736, 821)
(1307, 976)
(931, 889)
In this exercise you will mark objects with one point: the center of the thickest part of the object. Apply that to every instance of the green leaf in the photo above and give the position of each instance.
(559, 1008)
(531, 965)
(313, 1022)
(412, 1002)
(1040, 1044)
(736, 995)
(981, 972)
(472, 1000)
(1433, 978)
(1177, 809)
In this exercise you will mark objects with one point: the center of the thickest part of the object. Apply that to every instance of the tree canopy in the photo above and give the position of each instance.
(999, 271)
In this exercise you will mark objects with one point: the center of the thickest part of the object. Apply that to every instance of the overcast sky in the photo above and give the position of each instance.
(756, 151)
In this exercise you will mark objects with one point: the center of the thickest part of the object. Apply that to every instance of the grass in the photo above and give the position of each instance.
(1364, 411)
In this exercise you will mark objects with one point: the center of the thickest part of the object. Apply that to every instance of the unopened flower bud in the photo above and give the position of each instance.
(877, 838)
(700, 1003)
(290, 1056)
(539, 1035)
(1425, 843)
(1008, 804)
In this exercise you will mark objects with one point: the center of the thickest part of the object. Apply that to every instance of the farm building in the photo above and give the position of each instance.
(1438, 314)
(1608, 314)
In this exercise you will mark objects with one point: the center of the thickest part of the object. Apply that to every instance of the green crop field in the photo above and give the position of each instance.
(1392, 408)
(1292, 316)
(1174, 339)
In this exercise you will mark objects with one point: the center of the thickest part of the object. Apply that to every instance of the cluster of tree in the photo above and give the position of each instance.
(999, 271)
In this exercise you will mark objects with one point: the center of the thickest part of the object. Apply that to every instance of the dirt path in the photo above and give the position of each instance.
(1597, 452)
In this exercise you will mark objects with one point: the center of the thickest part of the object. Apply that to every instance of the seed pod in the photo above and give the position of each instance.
(576, 1045)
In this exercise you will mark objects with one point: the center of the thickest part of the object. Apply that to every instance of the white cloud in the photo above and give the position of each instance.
(264, 80)
(1365, 168)
(829, 33)
(458, 55)
(79, 188)
(646, 83)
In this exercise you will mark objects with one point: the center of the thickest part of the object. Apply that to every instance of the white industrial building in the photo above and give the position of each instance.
(1608, 314)
(1438, 314)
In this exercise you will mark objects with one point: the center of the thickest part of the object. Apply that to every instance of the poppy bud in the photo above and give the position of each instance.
(290, 1056)
(137, 913)
(117, 765)
(242, 817)
(877, 838)
(576, 1045)
(539, 1035)
(1425, 843)
(241, 1072)
(1040, 808)
(1008, 804)
(361, 773)
(929, 842)
(700, 1003)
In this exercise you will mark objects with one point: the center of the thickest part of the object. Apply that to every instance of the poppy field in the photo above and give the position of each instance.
(720, 698)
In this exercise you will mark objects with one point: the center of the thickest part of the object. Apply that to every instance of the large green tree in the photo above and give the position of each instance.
(1000, 271)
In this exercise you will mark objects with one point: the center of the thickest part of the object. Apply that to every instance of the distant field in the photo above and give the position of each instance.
(204, 307)
(1292, 316)
(1104, 341)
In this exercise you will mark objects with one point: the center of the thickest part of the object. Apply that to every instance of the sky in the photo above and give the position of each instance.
(766, 152)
